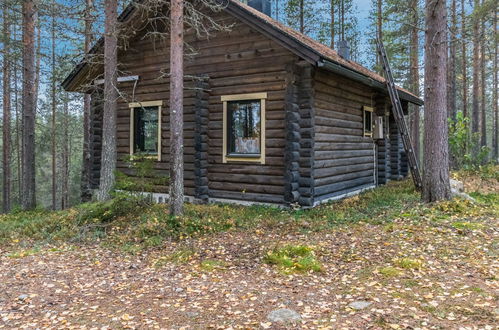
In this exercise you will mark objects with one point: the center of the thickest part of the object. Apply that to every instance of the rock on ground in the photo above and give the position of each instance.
(283, 316)
(358, 305)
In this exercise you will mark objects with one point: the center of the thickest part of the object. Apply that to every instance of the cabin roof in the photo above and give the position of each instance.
(309, 49)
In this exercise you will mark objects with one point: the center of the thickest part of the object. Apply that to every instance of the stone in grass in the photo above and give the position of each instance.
(283, 316)
(359, 305)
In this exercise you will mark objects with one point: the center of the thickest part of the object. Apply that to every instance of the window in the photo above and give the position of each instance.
(145, 128)
(244, 128)
(368, 121)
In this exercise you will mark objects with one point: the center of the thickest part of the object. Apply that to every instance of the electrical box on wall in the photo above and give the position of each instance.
(378, 128)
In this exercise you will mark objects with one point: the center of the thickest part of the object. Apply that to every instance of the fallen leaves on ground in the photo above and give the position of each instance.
(416, 273)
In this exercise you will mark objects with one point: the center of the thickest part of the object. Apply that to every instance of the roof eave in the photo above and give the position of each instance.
(359, 77)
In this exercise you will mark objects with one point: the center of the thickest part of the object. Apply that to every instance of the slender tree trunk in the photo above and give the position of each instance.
(18, 130)
(302, 16)
(38, 56)
(436, 184)
(464, 65)
(108, 163)
(495, 137)
(65, 157)
(333, 5)
(177, 108)
(28, 197)
(483, 89)
(475, 122)
(414, 74)
(379, 31)
(86, 194)
(54, 108)
(6, 191)
(451, 102)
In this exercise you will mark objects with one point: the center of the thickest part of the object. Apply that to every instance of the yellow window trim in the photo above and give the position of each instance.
(244, 97)
(368, 109)
(149, 104)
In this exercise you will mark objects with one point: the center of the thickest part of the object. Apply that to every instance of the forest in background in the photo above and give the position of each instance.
(62, 26)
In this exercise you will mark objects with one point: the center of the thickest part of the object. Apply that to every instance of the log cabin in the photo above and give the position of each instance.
(271, 115)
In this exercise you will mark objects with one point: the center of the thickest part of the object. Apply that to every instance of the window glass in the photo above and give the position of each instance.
(244, 127)
(368, 122)
(146, 130)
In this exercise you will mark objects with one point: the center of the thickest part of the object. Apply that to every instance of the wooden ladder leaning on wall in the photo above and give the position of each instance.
(398, 114)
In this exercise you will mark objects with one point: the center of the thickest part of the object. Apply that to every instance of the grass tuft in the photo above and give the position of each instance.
(212, 265)
(408, 263)
(389, 271)
(294, 258)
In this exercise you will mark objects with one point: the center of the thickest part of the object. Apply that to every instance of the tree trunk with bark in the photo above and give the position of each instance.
(464, 65)
(495, 137)
(436, 184)
(302, 16)
(379, 31)
(475, 122)
(451, 97)
(6, 191)
(108, 162)
(54, 110)
(483, 88)
(28, 194)
(176, 108)
(65, 157)
(86, 194)
(333, 12)
(414, 76)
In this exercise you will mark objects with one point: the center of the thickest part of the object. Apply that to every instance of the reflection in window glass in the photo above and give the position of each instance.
(244, 127)
(368, 122)
(146, 130)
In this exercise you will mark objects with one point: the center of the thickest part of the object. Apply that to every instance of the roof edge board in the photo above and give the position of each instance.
(359, 77)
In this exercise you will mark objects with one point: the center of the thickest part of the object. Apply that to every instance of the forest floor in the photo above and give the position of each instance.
(413, 265)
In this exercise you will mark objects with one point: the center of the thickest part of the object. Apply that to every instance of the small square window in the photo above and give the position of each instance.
(244, 128)
(368, 121)
(145, 129)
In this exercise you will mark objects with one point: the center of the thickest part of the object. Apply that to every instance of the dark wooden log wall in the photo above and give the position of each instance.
(315, 148)
(293, 136)
(242, 61)
(201, 140)
(344, 158)
(383, 145)
(96, 113)
(395, 150)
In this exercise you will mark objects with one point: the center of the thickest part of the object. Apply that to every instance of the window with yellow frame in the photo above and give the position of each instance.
(145, 129)
(244, 128)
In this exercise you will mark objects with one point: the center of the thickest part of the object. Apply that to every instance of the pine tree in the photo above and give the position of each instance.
(495, 131)
(464, 65)
(475, 122)
(436, 183)
(451, 93)
(414, 75)
(28, 194)
(86, 193)
(6, 191)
